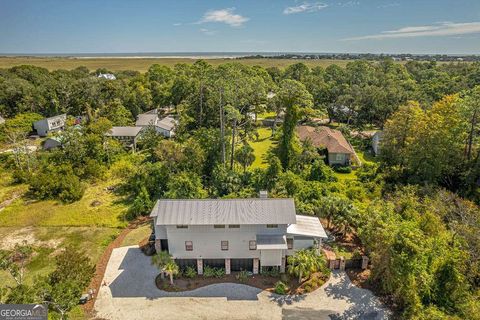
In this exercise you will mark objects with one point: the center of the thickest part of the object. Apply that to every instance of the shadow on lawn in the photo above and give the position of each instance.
(137, 279)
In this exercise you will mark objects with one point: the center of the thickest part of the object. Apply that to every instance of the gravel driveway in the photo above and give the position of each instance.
(131, 293)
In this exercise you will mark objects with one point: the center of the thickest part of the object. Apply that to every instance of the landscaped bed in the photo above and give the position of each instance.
(264, 282)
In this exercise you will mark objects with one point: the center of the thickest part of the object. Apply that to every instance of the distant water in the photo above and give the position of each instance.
(132, 55)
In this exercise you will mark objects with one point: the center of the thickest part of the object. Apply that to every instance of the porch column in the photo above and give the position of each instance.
(282, 266)
(331, 264)
(227, 266)
(255, 265)
(342, 264)
(158, 246)
(200, 266)
(364, 262)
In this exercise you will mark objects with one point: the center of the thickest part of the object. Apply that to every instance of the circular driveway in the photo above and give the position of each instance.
(131, 293)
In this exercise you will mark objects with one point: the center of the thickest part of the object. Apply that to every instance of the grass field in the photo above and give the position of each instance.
(142, 64)
(261, 146)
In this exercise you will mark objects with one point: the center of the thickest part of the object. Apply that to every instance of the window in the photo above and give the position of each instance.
(182, 226)
(188, 245)
(272, 225)
(219, 226)
(289, 244)
(252, 244)
(339, 156)
(224, 245)
(234, 226)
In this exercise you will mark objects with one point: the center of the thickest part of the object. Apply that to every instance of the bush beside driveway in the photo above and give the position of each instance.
(131, 293)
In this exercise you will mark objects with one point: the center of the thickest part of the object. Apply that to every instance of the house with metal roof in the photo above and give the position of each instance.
(48, 125)
(165, 126)
(339, 150)
(235, 234)
(127, 135)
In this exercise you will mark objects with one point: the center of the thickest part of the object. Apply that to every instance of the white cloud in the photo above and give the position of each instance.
(224, 16)
(305, 7)
(177, 24)
(207, 32)
(388, 5)
(434, 30)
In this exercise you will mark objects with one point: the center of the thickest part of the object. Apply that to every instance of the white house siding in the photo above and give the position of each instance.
(163, 132)
(207, 241)
(271, 257)
(160, 231)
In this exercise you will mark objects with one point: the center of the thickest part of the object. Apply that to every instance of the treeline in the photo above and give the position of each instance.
(363, 93)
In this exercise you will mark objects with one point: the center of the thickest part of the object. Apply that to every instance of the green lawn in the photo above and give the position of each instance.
(261, 146)
(134, 237)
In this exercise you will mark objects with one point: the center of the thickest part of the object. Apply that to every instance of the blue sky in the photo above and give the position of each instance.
(116, 26)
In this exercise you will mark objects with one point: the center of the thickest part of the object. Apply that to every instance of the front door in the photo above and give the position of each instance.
(164, 244)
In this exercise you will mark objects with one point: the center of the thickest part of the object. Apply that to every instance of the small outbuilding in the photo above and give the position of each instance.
(52, 143)
(127, 135)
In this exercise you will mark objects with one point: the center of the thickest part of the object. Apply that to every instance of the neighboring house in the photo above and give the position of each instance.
(52, 143)
(339, 150)
(235, 234)
(52, 124)
(376, 139)
(107, 76)
(126, 135)
(165, 126)
(2, 121)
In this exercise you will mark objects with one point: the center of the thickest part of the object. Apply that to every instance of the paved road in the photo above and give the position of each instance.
(131, 294)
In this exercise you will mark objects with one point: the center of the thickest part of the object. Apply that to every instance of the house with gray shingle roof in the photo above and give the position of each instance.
(48, 125)
(235, 234)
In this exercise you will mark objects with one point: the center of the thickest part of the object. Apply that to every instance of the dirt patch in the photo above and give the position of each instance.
(26, 236)
(9, 201)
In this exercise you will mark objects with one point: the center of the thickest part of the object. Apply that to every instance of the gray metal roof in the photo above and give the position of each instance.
(145, 119)
(224, 211)
(124, 131)
(307, 226)
(167, 123)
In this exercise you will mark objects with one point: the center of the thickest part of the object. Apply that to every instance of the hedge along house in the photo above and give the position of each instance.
(339, 150)
(235, 234)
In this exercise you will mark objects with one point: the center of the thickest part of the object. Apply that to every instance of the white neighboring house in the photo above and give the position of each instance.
(165, 126)
(376, 139)
(52, 124)
(107, 76)
(235, 234)
(127, 135)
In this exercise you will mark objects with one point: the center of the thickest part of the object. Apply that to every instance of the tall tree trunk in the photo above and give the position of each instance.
(299, 277)
(234, 129)
(200, 113)
(171, 278)
(470, 134)
(222, 128)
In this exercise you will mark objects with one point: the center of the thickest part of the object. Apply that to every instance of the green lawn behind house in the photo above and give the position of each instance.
(261, 146)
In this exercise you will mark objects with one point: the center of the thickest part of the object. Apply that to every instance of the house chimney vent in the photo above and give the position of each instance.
(263, 194)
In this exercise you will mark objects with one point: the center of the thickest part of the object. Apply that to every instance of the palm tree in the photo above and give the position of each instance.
(304, 263)
(171, 268)
(160, 260)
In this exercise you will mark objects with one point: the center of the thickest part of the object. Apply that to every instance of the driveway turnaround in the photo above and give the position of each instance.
(130, 293)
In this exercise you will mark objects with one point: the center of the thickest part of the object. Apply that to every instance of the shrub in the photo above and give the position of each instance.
(190, 272)
(242, 276)
(208, 272)
(281, 288)
(343, 169)
(219, 272)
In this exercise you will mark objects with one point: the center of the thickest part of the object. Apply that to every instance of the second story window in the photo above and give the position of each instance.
(252, 245)
(188, 245)
(272, 225)
(224, 245)
(234, 226)
(219, 226)
(289, 244)
(182, 226)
